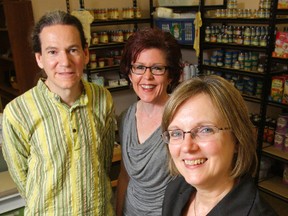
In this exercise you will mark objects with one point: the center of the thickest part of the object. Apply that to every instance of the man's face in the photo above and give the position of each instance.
(62, 57)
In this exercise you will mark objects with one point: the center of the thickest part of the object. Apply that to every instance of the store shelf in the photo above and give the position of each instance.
(263, 21)
(232, 70)
(116, 153)
(279, 105)
(6, 58)
(16, 20)
(104, 69)
(7, 89)
(280, 60)
(10, 198)
(107, 46)
(117, 88)
(114, 183)
(194, 8)
(282, 11)
(275, 187)
(211, 45)
(275, 153)
(251, 98)
(120, 22)
(102, 50)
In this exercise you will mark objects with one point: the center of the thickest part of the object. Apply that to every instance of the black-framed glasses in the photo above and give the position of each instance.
(155, 70)
(203, 133)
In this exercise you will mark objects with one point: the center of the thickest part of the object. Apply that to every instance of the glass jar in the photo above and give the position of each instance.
(247, 40)
(94, 38)
(104, 37)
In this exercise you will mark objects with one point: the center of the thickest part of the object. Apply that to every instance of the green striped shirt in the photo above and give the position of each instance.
(60, 156)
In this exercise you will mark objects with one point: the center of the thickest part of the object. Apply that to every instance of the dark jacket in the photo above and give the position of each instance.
(242, 200)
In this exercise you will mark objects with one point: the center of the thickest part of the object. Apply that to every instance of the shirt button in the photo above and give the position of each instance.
(74, 130)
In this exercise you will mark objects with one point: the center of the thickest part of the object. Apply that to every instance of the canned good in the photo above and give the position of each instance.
(93, 65)
(101, 62)
(247, 40)
(104, 37)
(255, 41)
(92, 56)
(95, 38)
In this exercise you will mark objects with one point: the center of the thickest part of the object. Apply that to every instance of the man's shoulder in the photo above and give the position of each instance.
(22, 99)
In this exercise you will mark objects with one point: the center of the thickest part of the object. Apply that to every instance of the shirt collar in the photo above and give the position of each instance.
(82, 101)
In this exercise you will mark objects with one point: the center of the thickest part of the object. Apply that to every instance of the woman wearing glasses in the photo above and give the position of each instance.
(212, 148)
(151, 60)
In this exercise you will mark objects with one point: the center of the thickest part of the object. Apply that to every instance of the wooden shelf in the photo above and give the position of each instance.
(115, 162)
(6, 58)
(120, 22)
(7, 89)
(114, 183)
(14, 33)
(7, 186)
(276, 153)
(275, 186)
(116, 153)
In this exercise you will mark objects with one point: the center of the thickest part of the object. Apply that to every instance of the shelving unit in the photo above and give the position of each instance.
(16, 58)
(272, 185)
(112, 72)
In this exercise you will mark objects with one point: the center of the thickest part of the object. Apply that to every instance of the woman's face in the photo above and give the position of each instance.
(148, 87)
(203, 164)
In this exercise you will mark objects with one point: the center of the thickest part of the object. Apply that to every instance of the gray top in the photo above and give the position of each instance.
(147, 167)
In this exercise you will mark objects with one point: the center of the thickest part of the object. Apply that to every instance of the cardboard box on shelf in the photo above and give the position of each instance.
(281, 45)
(182, 29)
(282, 4)
(277, 88)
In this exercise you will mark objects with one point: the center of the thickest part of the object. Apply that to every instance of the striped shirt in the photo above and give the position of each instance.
(60, 156)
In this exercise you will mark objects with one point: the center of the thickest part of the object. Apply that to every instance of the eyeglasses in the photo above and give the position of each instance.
(155, 70)
(201, 134)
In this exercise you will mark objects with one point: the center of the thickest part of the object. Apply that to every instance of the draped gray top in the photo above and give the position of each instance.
(147, 167)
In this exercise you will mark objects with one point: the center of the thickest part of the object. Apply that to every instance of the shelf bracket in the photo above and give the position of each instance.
(68, 6)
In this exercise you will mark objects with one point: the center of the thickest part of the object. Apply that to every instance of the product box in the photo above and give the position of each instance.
(178, 2)
(277, 88)
(285, 174)
(281, 45)
(285, 92)
(282, 4)
(182, 29)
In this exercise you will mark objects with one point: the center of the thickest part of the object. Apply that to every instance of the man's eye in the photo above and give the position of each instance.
(52, 52)
(74, 50)
(175, 133)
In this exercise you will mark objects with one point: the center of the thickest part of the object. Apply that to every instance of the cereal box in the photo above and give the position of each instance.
(285, 92)
(277, 88)
(281, 45)
(282, 4)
